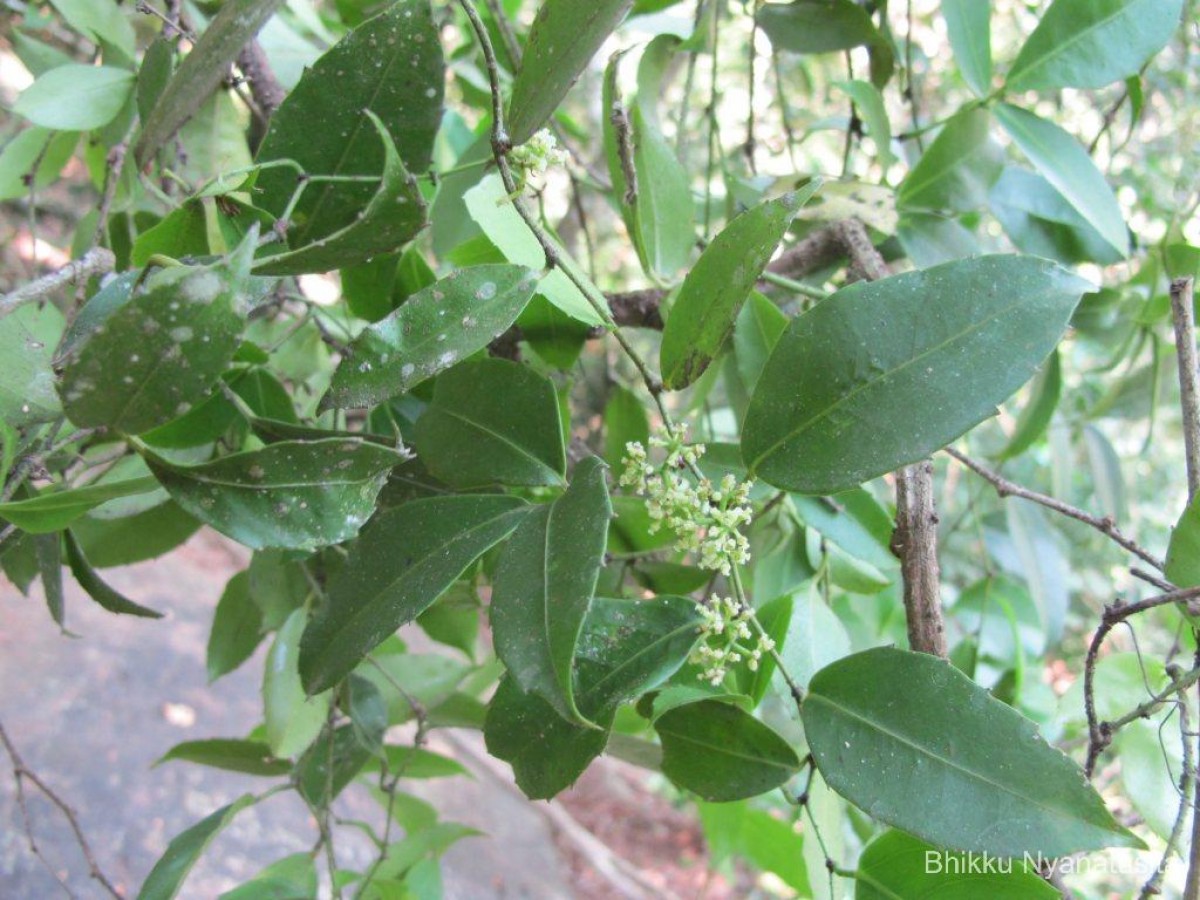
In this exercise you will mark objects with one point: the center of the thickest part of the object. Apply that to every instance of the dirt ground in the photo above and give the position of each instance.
(91, 715)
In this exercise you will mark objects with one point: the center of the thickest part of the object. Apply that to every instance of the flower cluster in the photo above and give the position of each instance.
(726, 623)
(538, 154)
(706, 517)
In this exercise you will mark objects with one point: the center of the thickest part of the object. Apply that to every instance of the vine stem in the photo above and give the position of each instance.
(501, 144)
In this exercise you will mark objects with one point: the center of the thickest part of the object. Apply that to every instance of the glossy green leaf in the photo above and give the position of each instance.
(97, 588)
(202, 70)
(468, 439)
(703, 314)
(1067, 166)
(394, 215)
(1183, 552)
(230, 754)
(153, 357)
(1035, 416)
(564, 38)
(237, 628)
(957, 170)
(834, 406)
(52, 510)
(1040, 221)
(434, 329)
(329, 765)
(721, 752)
(663, 210)
(816, 26)
(1092, 43)
(168, 874)
(625, 648)
(293, 718)
(912, 740)
(391, 67)
(492, 209)
(294, 494)
(158, 64)
(898, 865)
(544, 585)
(380, 589)
(969, 27)
(28, 336)
(76, 97)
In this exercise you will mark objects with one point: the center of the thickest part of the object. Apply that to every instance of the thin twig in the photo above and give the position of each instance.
(1183, 316)
(1104, 524)
(97, 261)
(23, 773)
(1187, 781)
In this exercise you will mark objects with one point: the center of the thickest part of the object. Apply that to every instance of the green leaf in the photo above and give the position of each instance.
(769, 843)
(854, 520)
(564, 38)
(492, 209)
(1092, 43)
(912, 740)
(236, 629)
(1040, 221)
(834, 406)
(36, 154)
(379, 589)
(625, 648)
(158, 64)
(153, 357)
(624, 421)
(76, 97)
(293, 718)
(703, 314)
(48, 552)
(391, 67)
(298, 495)
(101, 21)
(815, 638)
(969, 27)
(1035, 416)
(434, 329)
(97, 588)
(896, 864)
(1040, 562)
(202, 70)
(1183, 552)
(168, 874)
(291, 878)
(394, 216)
(135, 538)
(544, 585)
(721, 752)
(468, 439)
(329, 765)
(52, 510)
(663, 211)
(229, 754)
(816, 26)
(874, 115)
(28, 336)
(547, 753)
(758, 327)
(957, 169)
(1067, 166)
